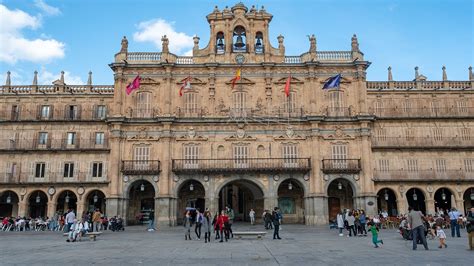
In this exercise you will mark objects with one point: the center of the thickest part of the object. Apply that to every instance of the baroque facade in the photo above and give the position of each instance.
(368, 145)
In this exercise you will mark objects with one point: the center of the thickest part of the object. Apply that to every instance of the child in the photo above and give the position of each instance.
(442, 237)
(375, 234)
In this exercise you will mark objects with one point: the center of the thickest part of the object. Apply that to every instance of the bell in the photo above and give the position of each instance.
(220, 43)
(259, 42)
(239, 42)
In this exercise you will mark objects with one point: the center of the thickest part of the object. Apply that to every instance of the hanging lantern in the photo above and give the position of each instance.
(9, 198)
(96, 198)
(386, 195)
(290, 186)
(472, 194)
(38, 198)
(191, 187)
(339, 185)
(443, 195)
(66, 199)
(415, 197)
(142, 187)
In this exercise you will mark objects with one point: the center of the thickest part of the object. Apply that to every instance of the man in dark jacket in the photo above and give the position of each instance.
(276, 223)
(470, 227)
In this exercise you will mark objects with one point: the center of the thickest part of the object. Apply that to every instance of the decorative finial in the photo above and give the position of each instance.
(216, 9)
(390, 78)
(89, 80)
(312, 43)
(445, 76)
(354, 43)
(62, 77)
(35, 78)
(164, 44)
(124, 48)
(416, 73)
(281, 46)
(8, 81)
(471, 77)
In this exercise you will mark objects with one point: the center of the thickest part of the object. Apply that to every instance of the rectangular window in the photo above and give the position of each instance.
(290, 153)
(15, 112)
(71, 138)
(378, 106)
(441, 165)
(40, 170)
(381, 134)
(412, 165)
(141, 157)
(191, 155)
(336, 101)
(241, 154)
(43, 138)
(101, 112)
(339, 156)
(384, 165)
(406, 106)
(45, 111)
(462, 107)
(144, 104)
(97, 169)
(465, 133)
(434, 107)
(190, 102)
(68, 170)
(72, 112)
(290, 103)
(469, 165)
(239, 104)
(437, 134)
(99, 138)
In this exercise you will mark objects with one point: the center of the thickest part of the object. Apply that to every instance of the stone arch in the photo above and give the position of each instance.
(128, 185)
(9, 203)
(140, 201)
(300, 181)
(341, 195)
(191, 193)
(387, 201)
(89, 202)
(291, 193)
(420, 203)
(468, 197)
(354, 185)
(183, 180)
(37, 208)
(246, 178)
(446, 201)
(61, 203)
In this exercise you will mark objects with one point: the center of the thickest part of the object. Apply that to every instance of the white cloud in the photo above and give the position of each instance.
(153, 30)
(49, 10)
(15, 47)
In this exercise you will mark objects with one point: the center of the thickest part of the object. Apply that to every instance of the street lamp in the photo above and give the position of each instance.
(67, 197)
(443, 195)
(339, 185)
(386, 195)
(142, 187)
(9, 198)
(472, 194)
(290, 186)
(38, 198)
(415, 197)
(95, 198)
(191, 187)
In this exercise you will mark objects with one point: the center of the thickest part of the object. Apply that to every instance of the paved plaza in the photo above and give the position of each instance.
(301, 245)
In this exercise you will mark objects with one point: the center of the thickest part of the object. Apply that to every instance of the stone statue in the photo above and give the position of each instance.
(124, 48)
(164, 42)
(354, 43)
(312, 43)
(281, 47)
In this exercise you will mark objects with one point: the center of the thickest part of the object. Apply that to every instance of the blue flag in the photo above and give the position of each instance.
(333, 82)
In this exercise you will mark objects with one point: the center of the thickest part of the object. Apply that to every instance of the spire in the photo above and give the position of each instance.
(390, 78)
(62, 77)
(416, 73)
(89, 80)
(8, 82)
(35, 79)
(471, 77)
(445, 76)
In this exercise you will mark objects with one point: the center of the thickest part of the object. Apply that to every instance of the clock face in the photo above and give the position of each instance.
(51, 190)
(125, 178)
(80, 190)
(240, 59)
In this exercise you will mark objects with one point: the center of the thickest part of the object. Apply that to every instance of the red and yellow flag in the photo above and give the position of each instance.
(236, 78)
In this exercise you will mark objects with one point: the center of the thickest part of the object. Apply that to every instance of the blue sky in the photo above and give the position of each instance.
(81, 35)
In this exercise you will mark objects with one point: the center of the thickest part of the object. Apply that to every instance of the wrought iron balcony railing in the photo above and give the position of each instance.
(341, 166)
(53, 114)
(53, 144)
(51, 177)
(241, 165)
(423, 175)
(141, 167)
(422, 142)
(426, 112)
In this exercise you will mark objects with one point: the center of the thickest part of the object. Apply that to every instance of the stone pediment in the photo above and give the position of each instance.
(143, 135)
(58, 83)
(292, 81)
(194, 81)
(148, 80)
(339, 134)
(191, 136)
(243, 81)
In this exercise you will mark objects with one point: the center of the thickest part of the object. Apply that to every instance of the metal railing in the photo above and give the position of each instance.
(338, 112)
(53, 144)
(57, 89)
(425, 112)
(242, 165)
(423, 175)
(336, 166)
(54, 114)
(140, 167)
(51, 177)
(422, 142)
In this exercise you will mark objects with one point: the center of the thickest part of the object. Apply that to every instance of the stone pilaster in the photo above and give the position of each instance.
(163, 211)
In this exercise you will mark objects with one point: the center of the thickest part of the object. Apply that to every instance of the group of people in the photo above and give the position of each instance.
(355, 221)
(29, 224)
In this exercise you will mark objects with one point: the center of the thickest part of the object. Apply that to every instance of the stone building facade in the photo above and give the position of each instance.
(368, 145)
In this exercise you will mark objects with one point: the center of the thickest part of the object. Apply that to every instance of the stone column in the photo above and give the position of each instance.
(80, 206)
(162, 213)
(430, 206)
(401, 206)
(52, 209)
(319, 209)
(22, 208)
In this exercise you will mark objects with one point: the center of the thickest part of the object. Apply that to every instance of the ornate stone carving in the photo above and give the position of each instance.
(338, 134)
(143, 135)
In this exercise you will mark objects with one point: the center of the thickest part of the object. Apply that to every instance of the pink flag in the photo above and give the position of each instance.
(135, 85)
(186, 85)
(287, 86)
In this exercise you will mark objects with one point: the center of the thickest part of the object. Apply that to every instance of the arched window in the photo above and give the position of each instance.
(143, 105)
(220, 43)
(259, 47)
(239, 40)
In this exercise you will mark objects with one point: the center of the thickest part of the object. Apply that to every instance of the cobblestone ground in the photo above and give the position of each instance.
(301, 245)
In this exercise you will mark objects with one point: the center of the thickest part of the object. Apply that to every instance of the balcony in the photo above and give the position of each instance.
(341, 166)
(23, 145)
(51, 177)
(242, 165)
(141, 167)
(422, 143)
(338, 112)
(423, 175)
(84, 114)
(441, 112)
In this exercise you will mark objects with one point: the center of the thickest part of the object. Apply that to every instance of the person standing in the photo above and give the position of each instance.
(363, 221)
(276, 223)
(340, 223)
(70, 216)
(252, 216)
(96, 225)
(230, 215)
(442, 237)
(187, 225)
(470, 228)
(216, 225)
(206, 226)
(454, 216)
(415, 222)
(351, 224)
(151, 221)
(197, 228)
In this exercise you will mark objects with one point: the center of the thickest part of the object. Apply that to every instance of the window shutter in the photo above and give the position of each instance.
(8, 171)
(78, 140)
(46, 170)
(79, 112)
(76, 169)
(89, 171)
(32, 170)
(60, 173)
(104, 170)
(38, 111)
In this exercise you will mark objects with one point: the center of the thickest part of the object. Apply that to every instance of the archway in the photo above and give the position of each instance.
(191, 194)
(468, 199)
(241, 195)
(387, 201)
(340, 196)
(291, 201)
(66, 200)
(443, 199)
(416, 199)
(37, 204)
(9, 204)
(141, 201)
(95, 200)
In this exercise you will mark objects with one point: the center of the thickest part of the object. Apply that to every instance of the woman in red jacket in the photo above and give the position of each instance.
(222, 220)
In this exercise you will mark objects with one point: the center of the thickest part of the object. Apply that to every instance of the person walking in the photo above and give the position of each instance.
(442, 237)
(222, 220)
(375, 235)
(363, 221)
(470, 228)
(216, 225)
(197, 228)
(276, 223)
(415, 222)
(340, 223)
(230, 215)
(351, 224)
(206, 226)
(187, 225)
(70, 217)
(454, 216)
(151, 221)
(252, 216)
(96, 225)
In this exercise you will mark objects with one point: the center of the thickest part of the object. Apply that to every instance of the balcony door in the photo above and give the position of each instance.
(191, 155)
(141, 158)
(241, 154)
(290, 154)
(339, 156)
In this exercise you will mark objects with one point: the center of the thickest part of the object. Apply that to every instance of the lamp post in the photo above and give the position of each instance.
(339, 185)
(142, 187)
(38, 198)
(290, 186)
(472, 194)
(443, 195)
(95, 198)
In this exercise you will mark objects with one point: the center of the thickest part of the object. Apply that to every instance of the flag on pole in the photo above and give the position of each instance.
(134, 85)
(186, 85)
(287, 86)
(236, 78)
(333, 82)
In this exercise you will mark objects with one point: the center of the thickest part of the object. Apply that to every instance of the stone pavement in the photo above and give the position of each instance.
(301, 245)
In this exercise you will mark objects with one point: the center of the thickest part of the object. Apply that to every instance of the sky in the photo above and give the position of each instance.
(78, 36)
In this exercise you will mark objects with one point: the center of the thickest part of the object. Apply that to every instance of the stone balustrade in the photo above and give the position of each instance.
(54, 89)
(414, 85)
(144, 56)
